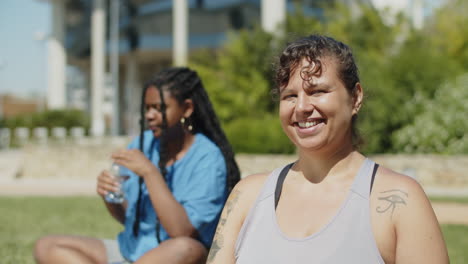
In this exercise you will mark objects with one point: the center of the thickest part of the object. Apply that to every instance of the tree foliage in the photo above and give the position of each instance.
(238, 79)
(403, 71)
(442, 125)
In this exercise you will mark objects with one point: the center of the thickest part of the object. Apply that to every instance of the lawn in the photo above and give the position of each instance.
(448, 199)
(25, 219)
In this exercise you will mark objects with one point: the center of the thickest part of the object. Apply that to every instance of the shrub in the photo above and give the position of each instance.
(52, 118)
(258, 135)
(442, 126)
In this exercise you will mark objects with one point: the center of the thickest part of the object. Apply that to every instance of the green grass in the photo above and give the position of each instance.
(447, 199)
(24, 219)
(456, 237)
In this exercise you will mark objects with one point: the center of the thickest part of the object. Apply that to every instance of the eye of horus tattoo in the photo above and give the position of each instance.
(392, 198)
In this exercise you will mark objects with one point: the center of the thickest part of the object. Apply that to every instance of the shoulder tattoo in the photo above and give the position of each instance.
(390, 199)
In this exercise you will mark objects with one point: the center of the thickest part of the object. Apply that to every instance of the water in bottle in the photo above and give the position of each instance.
(118, 196)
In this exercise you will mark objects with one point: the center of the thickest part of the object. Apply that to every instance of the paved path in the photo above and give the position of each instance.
(451, 213)
(47, 187)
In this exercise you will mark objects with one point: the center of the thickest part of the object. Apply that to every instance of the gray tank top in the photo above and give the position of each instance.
(347, 238)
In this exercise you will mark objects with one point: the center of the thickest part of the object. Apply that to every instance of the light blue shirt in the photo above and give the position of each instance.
(198, 183)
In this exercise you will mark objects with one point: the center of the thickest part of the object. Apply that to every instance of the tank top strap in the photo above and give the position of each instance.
(362, 182)
(269, 186)
(268, 190)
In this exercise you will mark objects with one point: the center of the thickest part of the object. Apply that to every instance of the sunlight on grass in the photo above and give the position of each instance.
(447, 199)
(456, 237)
(24, 219)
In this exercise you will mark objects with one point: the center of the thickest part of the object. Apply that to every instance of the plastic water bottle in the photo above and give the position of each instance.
(118, 196)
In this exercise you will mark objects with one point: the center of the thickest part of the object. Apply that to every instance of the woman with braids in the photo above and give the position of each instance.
(333, 205)
(181, 171)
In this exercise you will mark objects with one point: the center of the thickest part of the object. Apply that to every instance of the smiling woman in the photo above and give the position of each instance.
(333, 205)
(315, 105)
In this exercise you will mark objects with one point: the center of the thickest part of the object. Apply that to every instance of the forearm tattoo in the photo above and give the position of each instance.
(391, 199)
(219, 239)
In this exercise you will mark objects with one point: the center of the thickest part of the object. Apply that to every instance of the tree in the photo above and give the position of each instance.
(441, 126)
(401, 68)
(238, 77)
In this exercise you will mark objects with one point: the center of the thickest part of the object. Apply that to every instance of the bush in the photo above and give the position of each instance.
(238, 77)
(442, 126)
(51, 118)
(258, 135)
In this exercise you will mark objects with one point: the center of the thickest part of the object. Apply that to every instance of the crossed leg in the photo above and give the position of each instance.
(85, 250)
(179, 250)
(69, 249)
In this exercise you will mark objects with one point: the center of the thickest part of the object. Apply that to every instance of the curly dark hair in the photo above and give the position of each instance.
(183, 83)
(314, 48)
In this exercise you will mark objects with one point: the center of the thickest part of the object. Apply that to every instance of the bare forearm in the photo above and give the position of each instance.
(171, 213)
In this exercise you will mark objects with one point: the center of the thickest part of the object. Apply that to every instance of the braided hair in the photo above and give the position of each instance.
(183, 83)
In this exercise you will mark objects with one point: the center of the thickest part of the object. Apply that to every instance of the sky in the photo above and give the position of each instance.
(23, 67)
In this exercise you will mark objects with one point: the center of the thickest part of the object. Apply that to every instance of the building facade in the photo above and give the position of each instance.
(114, 45)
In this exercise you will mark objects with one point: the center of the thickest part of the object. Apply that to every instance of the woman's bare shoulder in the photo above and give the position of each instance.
(401, 194)
(254, 180)
(250, 185)
(400, 201)
(246, 191)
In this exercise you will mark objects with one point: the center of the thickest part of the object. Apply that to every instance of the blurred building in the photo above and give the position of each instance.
(413, 9)
(114, 45)
(12, 106)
